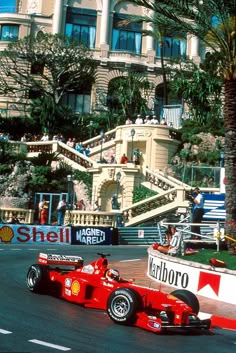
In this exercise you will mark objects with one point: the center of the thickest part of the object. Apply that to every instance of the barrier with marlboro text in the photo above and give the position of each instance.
(214, 283)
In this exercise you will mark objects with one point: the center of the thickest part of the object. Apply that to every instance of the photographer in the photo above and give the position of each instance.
(198, 210)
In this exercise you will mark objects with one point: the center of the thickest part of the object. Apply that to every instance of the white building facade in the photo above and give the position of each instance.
(118, 49)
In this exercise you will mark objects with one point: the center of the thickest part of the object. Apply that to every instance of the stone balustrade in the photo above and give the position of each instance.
(24, 215)
(91, 218)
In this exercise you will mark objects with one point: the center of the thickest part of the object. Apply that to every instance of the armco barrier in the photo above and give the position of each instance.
(214, 283)
(43, 234)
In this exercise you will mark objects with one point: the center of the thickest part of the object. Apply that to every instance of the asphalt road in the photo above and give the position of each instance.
(32, 323)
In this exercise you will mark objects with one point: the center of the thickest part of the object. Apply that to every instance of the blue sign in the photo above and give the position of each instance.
(93, 235)
(29, 234)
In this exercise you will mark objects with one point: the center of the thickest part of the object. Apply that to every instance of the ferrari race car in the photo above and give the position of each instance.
(96, 286)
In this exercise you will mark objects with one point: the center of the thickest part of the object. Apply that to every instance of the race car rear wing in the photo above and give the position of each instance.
(53, 259)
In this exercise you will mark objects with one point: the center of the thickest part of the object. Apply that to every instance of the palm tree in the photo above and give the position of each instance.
(214, 23)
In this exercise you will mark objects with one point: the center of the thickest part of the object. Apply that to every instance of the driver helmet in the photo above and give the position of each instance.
(113, 275)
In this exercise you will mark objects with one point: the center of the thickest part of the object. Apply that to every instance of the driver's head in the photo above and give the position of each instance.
(113, 275)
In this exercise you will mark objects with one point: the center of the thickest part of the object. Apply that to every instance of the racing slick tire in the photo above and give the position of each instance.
(37, 279)
(122, 306)
(187, 297)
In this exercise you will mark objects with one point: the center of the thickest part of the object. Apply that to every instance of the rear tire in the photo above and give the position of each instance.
(122, 306)
(189, 298)
(37, 279)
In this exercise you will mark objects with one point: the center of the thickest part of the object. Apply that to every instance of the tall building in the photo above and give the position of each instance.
(118, 48)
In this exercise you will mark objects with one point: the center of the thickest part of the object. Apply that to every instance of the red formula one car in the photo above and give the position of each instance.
(96, 286)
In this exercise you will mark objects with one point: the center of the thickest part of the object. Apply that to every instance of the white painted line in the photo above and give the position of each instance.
(16, 249)
(131, 260)
(47, 344)
(5, 332)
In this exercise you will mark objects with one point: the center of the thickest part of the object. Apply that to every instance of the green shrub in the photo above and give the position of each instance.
(141, 193)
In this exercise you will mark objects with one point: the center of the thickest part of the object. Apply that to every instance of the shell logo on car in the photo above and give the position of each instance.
(75, 287)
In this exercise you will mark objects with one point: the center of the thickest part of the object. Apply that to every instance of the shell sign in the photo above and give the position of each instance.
(75, 287)
(6, 234)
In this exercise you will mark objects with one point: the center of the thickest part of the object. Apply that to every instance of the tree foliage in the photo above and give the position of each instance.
(213, 22)
(129, 95)
(47, 68)
(201, 89)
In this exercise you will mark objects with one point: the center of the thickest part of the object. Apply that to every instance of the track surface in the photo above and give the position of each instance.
(31, 323)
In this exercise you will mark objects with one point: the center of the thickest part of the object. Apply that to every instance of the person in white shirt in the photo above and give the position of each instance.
(128, 121)
(154, 120)
(61, 210)
(139, 120)
(45, 137)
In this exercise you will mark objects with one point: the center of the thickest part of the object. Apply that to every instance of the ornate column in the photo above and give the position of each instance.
(104, 22)
(57, 16)
(149, 40)
(194, 54)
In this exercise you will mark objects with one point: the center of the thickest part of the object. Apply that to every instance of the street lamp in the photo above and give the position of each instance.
(118, 177)
(90, 128)
(69, 180)
(132, 132)
(101, 141)
(115, 204)
(222, 158)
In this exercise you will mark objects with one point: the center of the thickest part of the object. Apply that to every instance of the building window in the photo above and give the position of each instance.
(9, 33)
(37, 68)
(8, 6)
(34, 93)
(126, 37)
(81, 26)
(172, 48)
(78, 102)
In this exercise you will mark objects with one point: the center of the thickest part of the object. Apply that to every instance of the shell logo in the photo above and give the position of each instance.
(75, 287)
(6, 234)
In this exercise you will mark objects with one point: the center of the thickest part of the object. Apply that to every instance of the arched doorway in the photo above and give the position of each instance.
(108, 190)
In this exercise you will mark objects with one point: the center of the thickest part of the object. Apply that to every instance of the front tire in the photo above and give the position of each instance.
(188, 298)
(37, 279)
(122, 306)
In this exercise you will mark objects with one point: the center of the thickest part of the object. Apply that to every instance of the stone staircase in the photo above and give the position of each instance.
(171, 192)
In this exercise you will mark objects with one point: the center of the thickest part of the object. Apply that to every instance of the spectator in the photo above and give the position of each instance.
(198, 210)
(163, 121)
(112, 160)
(154, 120)
(128, 121)
(45, 137)
(61, 210)
(14, 219)
(146, 119)
(96, 206)
(41, 204)
(55, 137)
(86, 151)
(81, 205)
(24, 138)
(79, 147)
(44, 214)
(139, 120)
(70, 143)
(124, 159)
